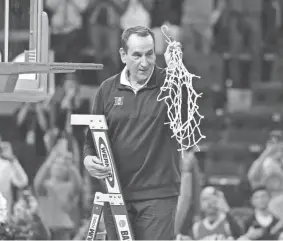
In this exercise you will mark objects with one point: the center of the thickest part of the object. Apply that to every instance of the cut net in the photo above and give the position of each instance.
(178, 93)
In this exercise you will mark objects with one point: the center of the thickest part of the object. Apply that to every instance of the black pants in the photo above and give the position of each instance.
(150, 220)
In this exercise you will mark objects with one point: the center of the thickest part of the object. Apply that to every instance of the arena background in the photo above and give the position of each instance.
(236, 46)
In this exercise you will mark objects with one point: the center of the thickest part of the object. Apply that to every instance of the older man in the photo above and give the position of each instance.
(146, 156)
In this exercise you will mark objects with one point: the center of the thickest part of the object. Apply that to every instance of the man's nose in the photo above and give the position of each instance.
(144, 61)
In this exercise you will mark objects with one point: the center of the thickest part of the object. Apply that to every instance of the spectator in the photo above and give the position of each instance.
(267, 171)
(262, 224)
(32, 121)
(136, 14)
(188, 205)
(66, 19)
(201, 17)
(3, 209)
(5, 230)
(270, 24)
(65, 101)
(266, 166)
(11, 173)
(58, 187)
(217, 223)
(25, 219)
(221, 27)
(64, 141)
(103, 24)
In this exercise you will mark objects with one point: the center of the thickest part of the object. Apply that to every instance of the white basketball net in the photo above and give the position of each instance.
(187, 132)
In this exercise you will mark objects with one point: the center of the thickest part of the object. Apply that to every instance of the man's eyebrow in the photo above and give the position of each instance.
(139, 53)
(136, 53)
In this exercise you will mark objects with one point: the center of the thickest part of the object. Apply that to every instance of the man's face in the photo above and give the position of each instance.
(260, 199)
(209, 204)
(140, 57)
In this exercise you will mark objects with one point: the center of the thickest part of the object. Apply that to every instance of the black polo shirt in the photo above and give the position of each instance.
(145, 154)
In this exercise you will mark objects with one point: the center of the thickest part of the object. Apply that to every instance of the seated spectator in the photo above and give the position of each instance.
(262, 224)
(11, 173)
(217, 222)
(58, 187)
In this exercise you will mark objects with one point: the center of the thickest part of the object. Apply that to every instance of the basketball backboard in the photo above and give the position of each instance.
(27, 67)
(20, 31)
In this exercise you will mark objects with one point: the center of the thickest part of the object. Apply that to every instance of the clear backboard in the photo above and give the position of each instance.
(24, 37)
(27, 67)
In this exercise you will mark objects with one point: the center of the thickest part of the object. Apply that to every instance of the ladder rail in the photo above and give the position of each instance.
(98, 127)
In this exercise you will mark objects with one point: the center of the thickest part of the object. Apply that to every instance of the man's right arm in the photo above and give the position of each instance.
(92, 162)
(97, 109)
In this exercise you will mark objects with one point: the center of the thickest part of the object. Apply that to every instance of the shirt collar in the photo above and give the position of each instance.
(124, 80)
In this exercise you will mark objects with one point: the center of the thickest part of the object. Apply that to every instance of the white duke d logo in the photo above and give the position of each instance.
(118, 100)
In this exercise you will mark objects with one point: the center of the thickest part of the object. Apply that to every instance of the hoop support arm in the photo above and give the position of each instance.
(28, 67)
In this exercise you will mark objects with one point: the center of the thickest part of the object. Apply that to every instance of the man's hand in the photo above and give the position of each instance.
(7, 151)
(168, 53)
(95, 168)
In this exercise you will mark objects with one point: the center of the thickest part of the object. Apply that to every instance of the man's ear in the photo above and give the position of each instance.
(122, 55)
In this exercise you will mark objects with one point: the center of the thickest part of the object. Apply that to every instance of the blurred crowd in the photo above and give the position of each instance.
(261, 218)
(45, 193)
(51, 197)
